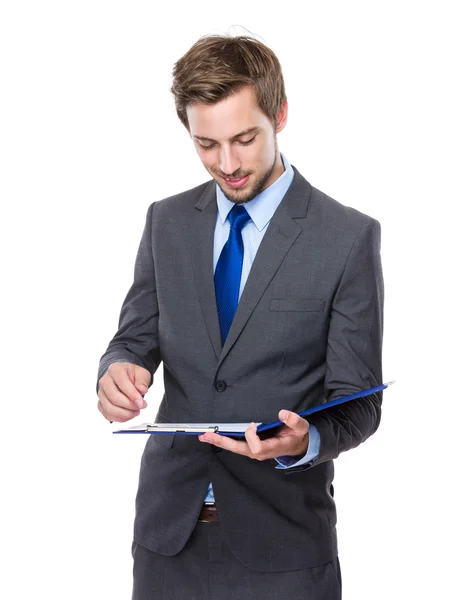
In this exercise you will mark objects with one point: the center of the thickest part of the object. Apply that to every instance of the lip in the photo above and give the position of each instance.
(238, 183)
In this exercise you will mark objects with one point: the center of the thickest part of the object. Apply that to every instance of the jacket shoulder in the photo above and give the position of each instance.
(180, 202)
(334, 213)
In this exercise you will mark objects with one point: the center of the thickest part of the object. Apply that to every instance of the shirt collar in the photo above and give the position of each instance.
(262, 207)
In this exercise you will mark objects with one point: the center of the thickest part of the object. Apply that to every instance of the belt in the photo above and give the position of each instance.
(208, 514)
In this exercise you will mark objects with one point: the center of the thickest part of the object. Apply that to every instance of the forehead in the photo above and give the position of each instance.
(227, 117)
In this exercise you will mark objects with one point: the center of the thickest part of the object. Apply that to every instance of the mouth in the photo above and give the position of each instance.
(236, 182)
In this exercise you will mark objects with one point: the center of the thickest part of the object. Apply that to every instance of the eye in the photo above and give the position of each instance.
(247, 143)
(209, 146)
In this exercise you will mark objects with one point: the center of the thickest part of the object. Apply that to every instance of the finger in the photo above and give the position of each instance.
(124, 379)
(114, 396)
(254, 442)
(226, 443)
(140, 377)
(120, 390)
(113, 412)
(119, 415)
(142, 388)
(294, 421)
(271, 447)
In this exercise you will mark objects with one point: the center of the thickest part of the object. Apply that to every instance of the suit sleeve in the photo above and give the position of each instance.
(136, 340)
(354, 350)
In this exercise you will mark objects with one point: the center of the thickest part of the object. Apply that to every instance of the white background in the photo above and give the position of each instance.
(380, 118)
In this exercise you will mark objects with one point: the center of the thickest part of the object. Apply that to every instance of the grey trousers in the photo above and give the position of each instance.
(206, 569)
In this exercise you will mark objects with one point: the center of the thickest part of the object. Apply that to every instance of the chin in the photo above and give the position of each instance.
(239, 198)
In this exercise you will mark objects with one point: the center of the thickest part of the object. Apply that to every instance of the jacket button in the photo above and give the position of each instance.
(221, 386)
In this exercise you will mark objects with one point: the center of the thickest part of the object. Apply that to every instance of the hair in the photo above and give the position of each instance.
(217, 66)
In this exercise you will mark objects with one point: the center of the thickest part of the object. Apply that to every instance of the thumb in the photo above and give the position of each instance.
(293, 421)
(142, 388)
(142, 379)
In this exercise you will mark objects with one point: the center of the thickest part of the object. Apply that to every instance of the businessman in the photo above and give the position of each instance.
(262, 297)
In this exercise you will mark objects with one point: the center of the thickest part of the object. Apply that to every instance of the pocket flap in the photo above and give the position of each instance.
(297, 304)
(164, 439)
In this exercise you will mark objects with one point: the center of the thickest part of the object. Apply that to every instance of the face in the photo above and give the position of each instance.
(237, 143)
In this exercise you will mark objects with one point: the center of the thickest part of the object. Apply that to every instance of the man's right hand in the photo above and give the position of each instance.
(120, 391)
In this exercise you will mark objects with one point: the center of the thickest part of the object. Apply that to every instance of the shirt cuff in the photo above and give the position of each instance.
(286, 462)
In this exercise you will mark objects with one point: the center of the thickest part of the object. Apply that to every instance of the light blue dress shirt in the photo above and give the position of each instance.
(261, 210)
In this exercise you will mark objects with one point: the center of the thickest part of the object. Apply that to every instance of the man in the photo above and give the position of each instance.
(262, 297)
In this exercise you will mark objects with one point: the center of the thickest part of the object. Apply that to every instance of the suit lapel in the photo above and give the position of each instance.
(280, 236)
(202, 249)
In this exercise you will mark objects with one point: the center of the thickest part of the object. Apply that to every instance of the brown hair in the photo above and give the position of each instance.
(217, 66)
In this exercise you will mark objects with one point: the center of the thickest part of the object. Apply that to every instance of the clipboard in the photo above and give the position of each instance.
(238, 429)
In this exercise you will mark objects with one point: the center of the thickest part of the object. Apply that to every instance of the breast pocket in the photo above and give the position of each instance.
(297, 304)
(303, 322)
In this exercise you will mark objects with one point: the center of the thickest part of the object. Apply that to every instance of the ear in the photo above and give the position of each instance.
(282, 117)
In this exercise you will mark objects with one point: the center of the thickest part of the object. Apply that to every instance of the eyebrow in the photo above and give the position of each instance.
(244, 132)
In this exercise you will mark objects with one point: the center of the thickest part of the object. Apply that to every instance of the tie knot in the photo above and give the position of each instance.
(238, 217)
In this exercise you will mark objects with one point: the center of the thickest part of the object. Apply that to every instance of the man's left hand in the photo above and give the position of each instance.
(290, 440)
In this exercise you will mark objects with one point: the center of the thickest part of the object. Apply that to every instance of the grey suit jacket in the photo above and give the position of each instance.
(308, 329)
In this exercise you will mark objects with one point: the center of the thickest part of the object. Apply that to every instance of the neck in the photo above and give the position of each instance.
(278, 170)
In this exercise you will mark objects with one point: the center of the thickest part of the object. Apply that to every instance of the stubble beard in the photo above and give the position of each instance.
(240, 198)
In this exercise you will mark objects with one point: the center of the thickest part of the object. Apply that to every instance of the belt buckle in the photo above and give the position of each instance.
(208, 505)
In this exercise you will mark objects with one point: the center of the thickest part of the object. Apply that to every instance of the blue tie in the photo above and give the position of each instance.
(229, 270)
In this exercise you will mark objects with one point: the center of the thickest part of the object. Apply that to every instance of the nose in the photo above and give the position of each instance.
(229, 163)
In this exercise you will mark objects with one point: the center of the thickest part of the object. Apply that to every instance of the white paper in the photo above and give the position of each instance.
(223, 427)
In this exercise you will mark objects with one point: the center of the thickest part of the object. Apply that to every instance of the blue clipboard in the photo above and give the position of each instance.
(238, 429)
